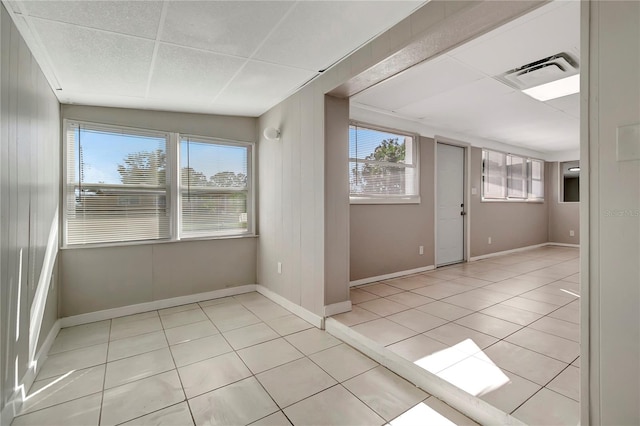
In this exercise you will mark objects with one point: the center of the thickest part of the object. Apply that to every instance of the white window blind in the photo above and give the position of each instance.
(516, 177)
(536, 179)
(494, 173)
(382, 164)
(214, 187)
(116, 186)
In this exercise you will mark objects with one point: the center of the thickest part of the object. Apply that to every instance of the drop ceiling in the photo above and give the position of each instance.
(223, 57)
(458, 93)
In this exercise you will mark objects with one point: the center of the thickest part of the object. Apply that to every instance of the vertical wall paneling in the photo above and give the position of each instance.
(29, 188)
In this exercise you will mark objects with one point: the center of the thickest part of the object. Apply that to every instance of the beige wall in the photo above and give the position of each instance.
(29, 188)
(610, 259)
(385, 237)
(563, 217)
(509, 224)
(100, 278)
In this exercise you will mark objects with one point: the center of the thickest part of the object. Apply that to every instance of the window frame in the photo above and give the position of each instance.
(415, 164)
(528, 198)
(172, 185)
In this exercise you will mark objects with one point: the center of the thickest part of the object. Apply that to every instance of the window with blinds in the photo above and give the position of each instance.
(116, 186)
(214, 187)
(382, 165)
(511, 177)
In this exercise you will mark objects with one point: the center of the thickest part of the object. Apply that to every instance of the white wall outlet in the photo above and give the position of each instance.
(489, 241)
(474, 191)
(421, 250)
(279, 267)
(572, 233)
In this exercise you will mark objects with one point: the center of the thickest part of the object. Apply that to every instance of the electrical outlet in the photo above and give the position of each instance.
(572, 233)
(279, 267)
(421, 250)
(489, 241)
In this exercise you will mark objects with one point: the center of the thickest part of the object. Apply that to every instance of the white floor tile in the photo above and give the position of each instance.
(311, 341)
(237, 404)
(121, 330)
(83, 411)
(212, 373)
(343, 362)
(475, 376)
(489, 325)
(549, 408)
(381, 290)
(175, 415)
(442, 290)
(525, 363)
(546, 344)
(384, 392)
(294, 381)
(186, 333)
(567, 383)
(177, 319)
(138, 367)
(276, 419)
(135, 317)
(417, 320)
(334, 406)
(511, 314)
(383, 331)
(49, 392)
(62, 363)
(199, 349)
(250, 335)
(140, 397)
(541, 308)
(383, 307)
(462, 338)
(136, 345)
(288, 324)
(359, 295)
(570, 312)
(432, 412)
(410, 299)
(512, 394)
(265, 356)
(445, 310)
(81, 336)
(175, 309)
(557, 327)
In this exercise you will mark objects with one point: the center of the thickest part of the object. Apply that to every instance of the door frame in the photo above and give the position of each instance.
(466, 196)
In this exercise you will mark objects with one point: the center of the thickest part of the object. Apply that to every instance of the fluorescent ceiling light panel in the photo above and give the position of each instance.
(555, 89)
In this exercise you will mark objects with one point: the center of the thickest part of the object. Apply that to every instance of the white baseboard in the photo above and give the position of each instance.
(298, 310)
(564, 245)
(152, 306)
(502, 253)
(14, 404)
(337, 308)
(471, 406)
(391, 275)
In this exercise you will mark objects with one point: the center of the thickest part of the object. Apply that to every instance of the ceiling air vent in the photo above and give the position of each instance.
(540, 72)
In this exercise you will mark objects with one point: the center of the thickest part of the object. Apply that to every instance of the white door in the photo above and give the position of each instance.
(450, 204)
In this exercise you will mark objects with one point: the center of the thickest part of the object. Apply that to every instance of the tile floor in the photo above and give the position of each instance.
(505, 329)
(233, 361)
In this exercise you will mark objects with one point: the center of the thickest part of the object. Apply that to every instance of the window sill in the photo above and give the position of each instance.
(155, 242)
(536, 201)
(365, 200)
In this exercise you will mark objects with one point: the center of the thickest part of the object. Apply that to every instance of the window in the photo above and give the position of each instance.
(383, 166)
(570, 181)
(120, 181)
(508, 177)
(214, 187)
(116, 185)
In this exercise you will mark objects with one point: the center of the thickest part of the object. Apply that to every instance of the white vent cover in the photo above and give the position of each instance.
(543, 71)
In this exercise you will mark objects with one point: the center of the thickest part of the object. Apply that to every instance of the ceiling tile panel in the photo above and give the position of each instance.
(231, 27)
(190, 75)
(91, 61)
(420, 82)
(139, 18)
(553, 32)
(263, 85)
(569, 104)
(318, 33)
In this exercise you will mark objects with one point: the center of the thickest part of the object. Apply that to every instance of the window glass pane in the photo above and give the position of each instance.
(213, 188)
(537, 179)
(116, 185)
(381, 164)
(517, 177)
(494, 174)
